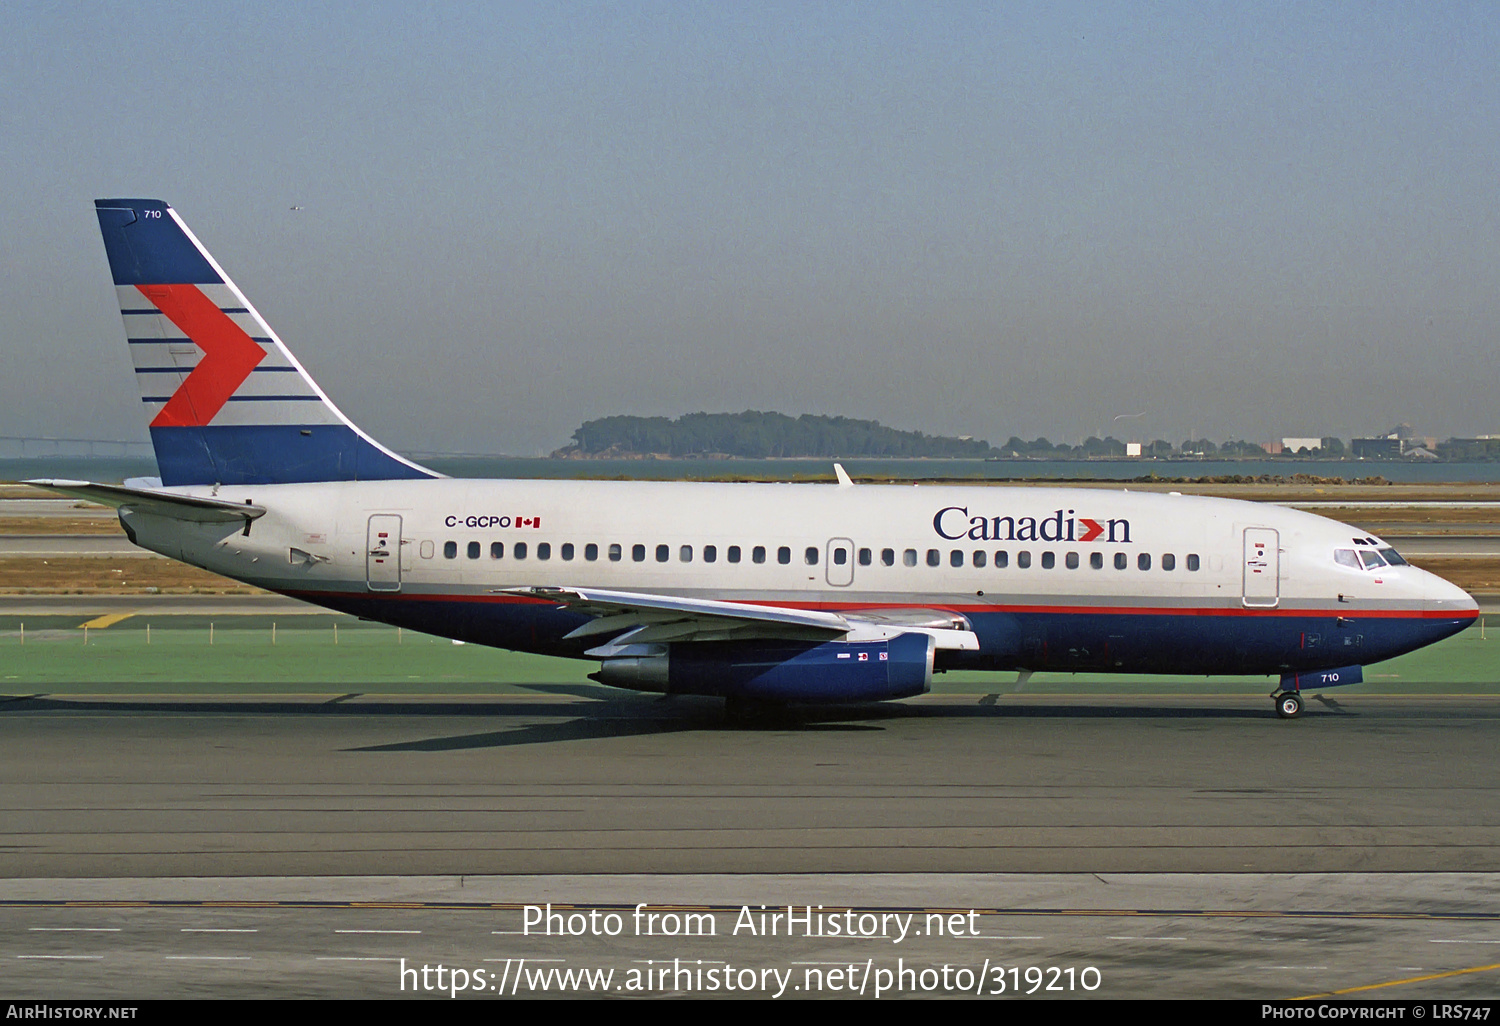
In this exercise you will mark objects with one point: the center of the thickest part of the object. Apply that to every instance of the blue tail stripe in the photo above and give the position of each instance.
(272, 454)
(179, 370)
(246, 398)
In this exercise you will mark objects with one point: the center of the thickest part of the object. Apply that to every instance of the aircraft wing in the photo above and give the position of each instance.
(162, 503)
(639, 618)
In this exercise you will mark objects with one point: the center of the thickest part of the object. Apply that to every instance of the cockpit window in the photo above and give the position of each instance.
(1346, 557)
(1393, 557)
(1372, 559)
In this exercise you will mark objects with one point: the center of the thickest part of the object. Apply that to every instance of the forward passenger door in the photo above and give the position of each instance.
(1262, 565)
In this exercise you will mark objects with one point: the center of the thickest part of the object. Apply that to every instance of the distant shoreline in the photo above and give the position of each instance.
(727, 458)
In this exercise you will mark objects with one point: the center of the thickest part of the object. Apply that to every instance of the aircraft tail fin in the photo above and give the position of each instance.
(228, 403)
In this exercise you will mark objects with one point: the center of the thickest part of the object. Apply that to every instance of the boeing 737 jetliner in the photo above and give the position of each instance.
(760, 593)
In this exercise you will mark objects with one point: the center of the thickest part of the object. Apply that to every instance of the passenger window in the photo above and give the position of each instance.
(1192, 562)
(1002, 559)
(1023, 560)
(909, 557)
(840, 556)
(544, 550)
(734, 553)
(956, 557)
(638, 553)
(865, 557)
(810, 556)
(1096, 560)
(1143, 561)
(450, 550)
(662, 553)
(1071, 561)
(567, 550)
(615, 552)
(473, 550)
(979, 557)
(519, 550)
(1121, 561)
(497, 550)
(784, 555)
(426, 548)
(888, 557)
(1168, 561)
(710, 553)
(1048, 560)
(758, 554)
(934, 557)
(685, 554)
(591, 552)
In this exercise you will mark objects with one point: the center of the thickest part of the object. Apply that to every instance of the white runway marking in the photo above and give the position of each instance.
(213, 929)
(377, 931)
(1462, 940)
(74, 929)
(87, 958)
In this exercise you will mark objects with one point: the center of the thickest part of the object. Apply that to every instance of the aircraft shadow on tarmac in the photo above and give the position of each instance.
(670, 716)
(606, 713)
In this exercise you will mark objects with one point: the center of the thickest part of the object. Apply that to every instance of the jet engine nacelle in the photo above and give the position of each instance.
(782, 671)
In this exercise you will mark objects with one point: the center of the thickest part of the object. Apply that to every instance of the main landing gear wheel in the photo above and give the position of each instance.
(1289, 705)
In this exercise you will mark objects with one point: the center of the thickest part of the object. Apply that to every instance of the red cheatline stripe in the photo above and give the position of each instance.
(1405, 614)
(229, 355)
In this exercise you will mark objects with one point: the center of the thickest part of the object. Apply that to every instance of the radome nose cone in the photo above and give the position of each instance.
(1442, 596)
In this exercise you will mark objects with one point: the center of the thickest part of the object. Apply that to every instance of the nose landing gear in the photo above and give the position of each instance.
(1288, 695)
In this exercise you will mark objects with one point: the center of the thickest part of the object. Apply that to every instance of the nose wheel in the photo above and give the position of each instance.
(1288, 705)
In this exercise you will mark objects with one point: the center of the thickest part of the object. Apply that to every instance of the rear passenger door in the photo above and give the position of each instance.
(383, 553)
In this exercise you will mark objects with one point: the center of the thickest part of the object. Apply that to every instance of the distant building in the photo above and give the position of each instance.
(1376, 448)
(1298, 444)
(1271, 448)
(1132, 448)
(1484, 447)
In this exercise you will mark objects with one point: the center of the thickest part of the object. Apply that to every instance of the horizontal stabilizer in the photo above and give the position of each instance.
(161, 503)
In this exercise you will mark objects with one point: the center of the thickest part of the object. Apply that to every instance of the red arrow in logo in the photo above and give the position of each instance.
(1094, 531)
(229, 355)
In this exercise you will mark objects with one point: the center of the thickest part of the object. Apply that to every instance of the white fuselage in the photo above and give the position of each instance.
(1011, 552)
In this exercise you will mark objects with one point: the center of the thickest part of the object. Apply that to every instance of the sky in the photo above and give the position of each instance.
(1238, 220)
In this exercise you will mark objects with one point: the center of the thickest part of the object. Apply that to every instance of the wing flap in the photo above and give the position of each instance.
(642, 618)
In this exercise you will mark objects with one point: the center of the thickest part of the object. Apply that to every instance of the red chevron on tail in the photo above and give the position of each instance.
(229, 355)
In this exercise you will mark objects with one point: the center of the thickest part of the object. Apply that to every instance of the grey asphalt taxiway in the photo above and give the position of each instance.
(1179, 846)
(576, 779)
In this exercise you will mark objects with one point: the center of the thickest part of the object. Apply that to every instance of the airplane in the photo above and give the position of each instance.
(762, 594)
